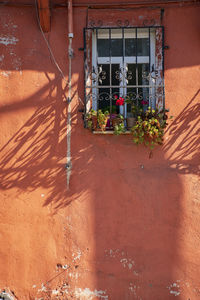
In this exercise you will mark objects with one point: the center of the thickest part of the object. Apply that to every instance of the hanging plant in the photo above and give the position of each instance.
(149, 128)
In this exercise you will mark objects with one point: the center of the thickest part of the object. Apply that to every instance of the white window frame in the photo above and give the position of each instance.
(127, 59)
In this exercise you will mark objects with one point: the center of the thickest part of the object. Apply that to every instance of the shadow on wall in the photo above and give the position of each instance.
(183, 139)
(136, 208)
(35, 155)
(135, 202)
(139, 216)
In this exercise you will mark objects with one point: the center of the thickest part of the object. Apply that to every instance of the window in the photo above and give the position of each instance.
(124, 62)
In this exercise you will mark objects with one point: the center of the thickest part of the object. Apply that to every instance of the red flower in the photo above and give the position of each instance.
(120, 101)
(143, 102)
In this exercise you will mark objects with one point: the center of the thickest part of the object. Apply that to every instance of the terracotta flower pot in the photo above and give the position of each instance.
(103, 124)
(130, 122)
(94, 122)
(116, 121)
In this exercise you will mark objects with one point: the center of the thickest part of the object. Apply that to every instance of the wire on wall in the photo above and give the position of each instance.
(68, 99)
(48, 45)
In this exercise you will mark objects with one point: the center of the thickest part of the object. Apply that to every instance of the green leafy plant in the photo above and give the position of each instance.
(109, 108)
(102, 119)
(136, 107)
(118, 124)
(149, 128)
(91, 119)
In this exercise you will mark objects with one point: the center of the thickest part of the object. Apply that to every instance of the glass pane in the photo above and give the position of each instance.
(129, 33)
(106, 95)
(131, 80)
(130, 47)
(116, 47)
(143, 47)
(143, 71)
(103, 47)
(115, 74)
(102, 33)
(104, 99)
(131, 74)
(115, 91)
(116, 33)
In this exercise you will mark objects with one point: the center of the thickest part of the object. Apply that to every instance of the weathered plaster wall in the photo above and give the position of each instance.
(128, 228)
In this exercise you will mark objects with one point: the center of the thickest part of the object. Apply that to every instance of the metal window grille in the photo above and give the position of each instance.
(126, 62)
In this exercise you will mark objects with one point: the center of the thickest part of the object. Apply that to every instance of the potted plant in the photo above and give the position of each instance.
(149, 128)
(118, 119)
(137, 109)
(102, 119)
(91, 119)
(112, 114)
(131, 118)
(118, 125)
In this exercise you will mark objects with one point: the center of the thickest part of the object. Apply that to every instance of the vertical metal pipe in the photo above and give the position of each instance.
(149, 77)
(97, 90)
(85, 102)
(163, 64)
(136, 36)
(124, 70)
(70, 55)
(110, 63)
(70, 19)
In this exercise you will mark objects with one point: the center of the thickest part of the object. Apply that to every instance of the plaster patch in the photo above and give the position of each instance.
(5, 74)
(43, 288)
(174, 289)
(7, 295)
(77, 256)
(175, 293)
(1, 57)
(8, 40)
(16, 63)
(133, 289)
(55, 292)
(89, 295)
(126, 261)
(74, 275)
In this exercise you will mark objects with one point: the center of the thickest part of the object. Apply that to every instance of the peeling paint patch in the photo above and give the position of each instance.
(5, 74)
(43, 288)
(126, 261)
(7, 294)
(175, 293)
(1, 58)
(16, 62)
(89, 295)
(8, 40)
(77, 256)
(174, 289)
(133, 289)
(74, 275)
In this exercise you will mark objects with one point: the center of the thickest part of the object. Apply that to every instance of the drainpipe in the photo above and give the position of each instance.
(70, 55)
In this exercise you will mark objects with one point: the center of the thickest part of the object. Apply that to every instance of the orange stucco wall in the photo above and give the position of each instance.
(128, 227)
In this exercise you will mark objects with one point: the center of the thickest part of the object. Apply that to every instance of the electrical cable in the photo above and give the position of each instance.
(48, 45)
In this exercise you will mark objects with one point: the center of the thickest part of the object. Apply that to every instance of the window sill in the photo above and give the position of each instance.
(110, 132)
